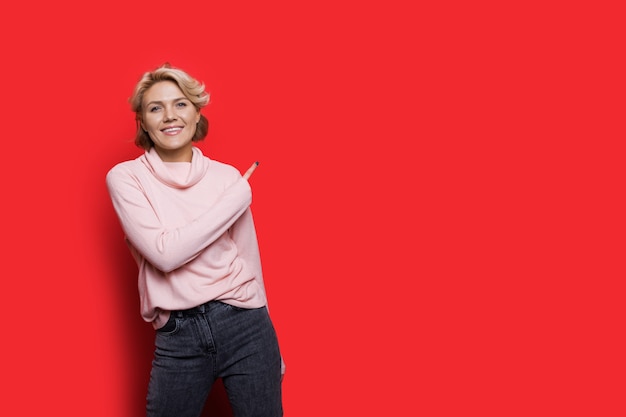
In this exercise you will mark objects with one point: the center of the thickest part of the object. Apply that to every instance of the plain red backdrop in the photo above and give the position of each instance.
(439, 200)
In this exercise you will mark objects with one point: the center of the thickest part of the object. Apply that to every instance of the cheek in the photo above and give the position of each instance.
(147, 124)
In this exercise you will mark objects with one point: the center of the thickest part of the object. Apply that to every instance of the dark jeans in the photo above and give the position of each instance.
(216, 340)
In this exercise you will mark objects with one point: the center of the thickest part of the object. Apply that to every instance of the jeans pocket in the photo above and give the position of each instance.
(170, 327)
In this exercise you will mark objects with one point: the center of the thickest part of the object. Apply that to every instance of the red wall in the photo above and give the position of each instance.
(439, 199)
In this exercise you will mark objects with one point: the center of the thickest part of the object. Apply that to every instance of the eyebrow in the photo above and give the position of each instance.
(161, 102)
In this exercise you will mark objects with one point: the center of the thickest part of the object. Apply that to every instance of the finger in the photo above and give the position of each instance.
(250, 170)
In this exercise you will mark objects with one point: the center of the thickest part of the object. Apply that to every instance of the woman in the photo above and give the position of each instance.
(189, 227)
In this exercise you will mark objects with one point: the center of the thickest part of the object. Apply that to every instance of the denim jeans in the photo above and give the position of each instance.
(216, 340)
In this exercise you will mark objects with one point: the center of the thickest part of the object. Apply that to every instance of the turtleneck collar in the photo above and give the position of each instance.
(199, 166)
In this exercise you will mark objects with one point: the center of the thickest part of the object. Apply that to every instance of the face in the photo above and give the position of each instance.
(170, 119)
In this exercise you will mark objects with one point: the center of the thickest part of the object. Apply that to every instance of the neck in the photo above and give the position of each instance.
(175, 155)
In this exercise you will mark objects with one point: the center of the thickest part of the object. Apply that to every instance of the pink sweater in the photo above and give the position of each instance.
(190, 229)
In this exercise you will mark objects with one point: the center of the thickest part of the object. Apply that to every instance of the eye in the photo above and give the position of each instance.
(181, 104)
(154, 108)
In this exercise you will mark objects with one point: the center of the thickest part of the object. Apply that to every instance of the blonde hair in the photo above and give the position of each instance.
(191, 88)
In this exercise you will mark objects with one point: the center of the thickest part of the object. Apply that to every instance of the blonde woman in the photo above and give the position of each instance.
(188, 225)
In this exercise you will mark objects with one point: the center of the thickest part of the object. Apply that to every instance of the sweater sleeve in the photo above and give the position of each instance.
(244, 235)
(169, 249)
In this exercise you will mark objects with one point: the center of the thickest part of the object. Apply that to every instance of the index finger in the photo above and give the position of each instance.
(250, 170)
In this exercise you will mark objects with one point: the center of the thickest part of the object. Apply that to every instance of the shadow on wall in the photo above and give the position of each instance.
(138, 335)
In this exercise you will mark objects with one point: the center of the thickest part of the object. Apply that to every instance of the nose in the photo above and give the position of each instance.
(169, 114)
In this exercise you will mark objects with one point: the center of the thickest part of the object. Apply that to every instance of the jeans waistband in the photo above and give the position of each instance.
(202, 308)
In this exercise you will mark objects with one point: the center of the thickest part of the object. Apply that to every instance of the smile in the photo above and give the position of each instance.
(172, 130)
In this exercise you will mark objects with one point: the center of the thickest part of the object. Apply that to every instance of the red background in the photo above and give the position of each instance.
(439, 201)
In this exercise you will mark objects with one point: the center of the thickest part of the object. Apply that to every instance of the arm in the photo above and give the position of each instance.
(244, 235)
(169, 249)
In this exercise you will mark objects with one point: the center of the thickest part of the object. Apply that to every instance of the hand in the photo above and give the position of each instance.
(250, 170)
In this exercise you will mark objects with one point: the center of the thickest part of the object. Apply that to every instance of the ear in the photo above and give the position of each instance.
(139, 121)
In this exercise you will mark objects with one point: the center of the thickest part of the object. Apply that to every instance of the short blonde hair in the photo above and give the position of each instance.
(191, 88)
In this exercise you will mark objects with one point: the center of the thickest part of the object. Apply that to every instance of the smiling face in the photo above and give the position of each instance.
(170, 119)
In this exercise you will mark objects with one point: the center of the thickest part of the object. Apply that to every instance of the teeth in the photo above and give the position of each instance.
(172, 129)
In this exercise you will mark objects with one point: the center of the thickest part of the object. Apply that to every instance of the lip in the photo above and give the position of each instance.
(172, 130)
